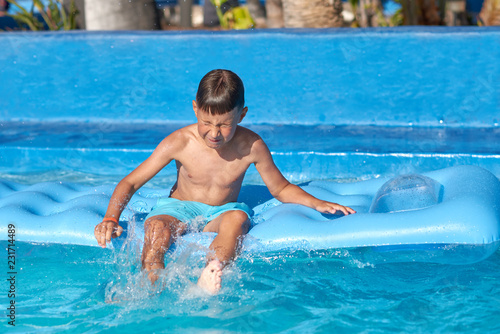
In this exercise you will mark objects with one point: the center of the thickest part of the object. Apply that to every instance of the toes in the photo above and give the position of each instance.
(217, 278)
(215, 266)
(215, 274)
(211, 277)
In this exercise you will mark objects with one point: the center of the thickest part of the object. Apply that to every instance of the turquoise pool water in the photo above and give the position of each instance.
(68, 288)
(64, 289)
(337, 105)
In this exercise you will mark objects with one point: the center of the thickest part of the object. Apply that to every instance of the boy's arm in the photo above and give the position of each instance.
(283, 190)
(126, 188)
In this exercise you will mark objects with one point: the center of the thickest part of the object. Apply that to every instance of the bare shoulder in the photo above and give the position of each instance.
(177, 140)
(254, 143)
(247, 137)
(247, 134)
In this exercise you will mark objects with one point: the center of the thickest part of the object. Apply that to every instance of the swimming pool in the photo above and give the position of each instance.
(87, 108)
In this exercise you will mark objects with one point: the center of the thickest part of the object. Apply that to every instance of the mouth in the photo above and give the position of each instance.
(213, 140)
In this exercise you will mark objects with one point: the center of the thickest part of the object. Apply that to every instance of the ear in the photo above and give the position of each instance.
(195, 108)
(243, 114)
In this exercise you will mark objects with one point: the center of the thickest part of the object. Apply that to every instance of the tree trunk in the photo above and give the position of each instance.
(367, 15)
(312, 13)
(430, 13)
(121, 15)
(186, 8)
(490, 13)
(274, 11)
(456, 13)
(421, 12)
(410, 12)
(258, 12)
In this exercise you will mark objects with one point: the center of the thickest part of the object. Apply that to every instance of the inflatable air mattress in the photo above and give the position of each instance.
(450, 215)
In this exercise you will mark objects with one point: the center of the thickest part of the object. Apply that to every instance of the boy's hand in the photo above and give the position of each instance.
(105, 230)
(329, 207)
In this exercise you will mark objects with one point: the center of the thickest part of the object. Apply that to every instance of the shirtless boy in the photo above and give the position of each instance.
(212, 157)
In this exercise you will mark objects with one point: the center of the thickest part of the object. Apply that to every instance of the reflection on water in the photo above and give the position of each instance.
(79, 288)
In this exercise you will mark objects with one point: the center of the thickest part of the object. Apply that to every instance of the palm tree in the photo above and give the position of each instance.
(490, 13)
(121, 15)
(258, 12)
(367, 12)
(80, 6)
(312, 13)
(422, 12)
(274, 13)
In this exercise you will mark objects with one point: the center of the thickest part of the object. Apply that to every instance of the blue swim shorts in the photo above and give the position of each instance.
(194, 213)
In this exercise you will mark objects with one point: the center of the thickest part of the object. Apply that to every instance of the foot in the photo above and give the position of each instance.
(210, 278)
(151, 269)
(153, 276)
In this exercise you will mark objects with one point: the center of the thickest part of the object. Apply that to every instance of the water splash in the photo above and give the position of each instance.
(184, 263)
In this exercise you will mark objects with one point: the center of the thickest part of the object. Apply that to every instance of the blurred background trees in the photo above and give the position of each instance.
(239, 14)
(490, 13)
(312, 13)
(121, 15)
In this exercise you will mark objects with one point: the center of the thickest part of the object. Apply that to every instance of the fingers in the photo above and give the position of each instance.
(97, 235)
(104, 231)
(109, 232)
(101, 240)
(117, 231)
(100, 235)
(334, 208)
(345, 209)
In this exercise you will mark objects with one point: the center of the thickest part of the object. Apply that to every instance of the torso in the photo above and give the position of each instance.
(212, 176)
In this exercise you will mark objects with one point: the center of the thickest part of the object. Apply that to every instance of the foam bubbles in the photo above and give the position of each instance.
(129, 284)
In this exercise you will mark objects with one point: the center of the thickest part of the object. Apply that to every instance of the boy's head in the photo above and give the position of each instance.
(220, 92)
(219, 107)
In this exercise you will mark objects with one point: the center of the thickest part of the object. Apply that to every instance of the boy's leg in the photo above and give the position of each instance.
(159, 233)
(230, 227)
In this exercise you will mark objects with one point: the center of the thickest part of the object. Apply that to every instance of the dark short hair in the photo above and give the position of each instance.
(219, 92)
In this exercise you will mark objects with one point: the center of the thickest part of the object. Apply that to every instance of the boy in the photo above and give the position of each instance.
(212, 157)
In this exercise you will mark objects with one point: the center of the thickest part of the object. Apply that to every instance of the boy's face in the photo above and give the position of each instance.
(218, 130)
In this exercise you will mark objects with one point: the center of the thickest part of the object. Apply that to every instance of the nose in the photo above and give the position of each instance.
(214, 132)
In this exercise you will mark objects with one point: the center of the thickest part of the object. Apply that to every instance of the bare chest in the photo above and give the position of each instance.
(209, 171)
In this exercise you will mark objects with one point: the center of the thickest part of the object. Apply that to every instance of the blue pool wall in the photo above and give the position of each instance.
(389, 77)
